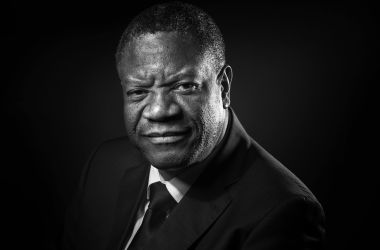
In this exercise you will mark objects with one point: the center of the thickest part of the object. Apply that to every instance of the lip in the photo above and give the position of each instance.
(166, 137)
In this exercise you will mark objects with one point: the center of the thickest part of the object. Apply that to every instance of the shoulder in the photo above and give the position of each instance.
(271, 201)
(267, 185)
(112, 164)
(114, 152)
(273, 178)
(120, 146)
(110, 160)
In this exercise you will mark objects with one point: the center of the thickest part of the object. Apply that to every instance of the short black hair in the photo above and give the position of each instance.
(180, 17)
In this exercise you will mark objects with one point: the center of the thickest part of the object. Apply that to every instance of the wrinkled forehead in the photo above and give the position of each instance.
(166, 52)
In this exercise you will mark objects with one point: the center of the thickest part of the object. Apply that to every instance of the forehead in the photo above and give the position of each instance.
(161, 52)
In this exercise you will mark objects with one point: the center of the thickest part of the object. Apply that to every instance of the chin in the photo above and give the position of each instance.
(169, 161)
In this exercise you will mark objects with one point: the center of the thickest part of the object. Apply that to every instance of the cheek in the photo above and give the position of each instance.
(131, 117)
(214, 103)
(213, 114)
(191, 106)
(205, 112)
(206, 108)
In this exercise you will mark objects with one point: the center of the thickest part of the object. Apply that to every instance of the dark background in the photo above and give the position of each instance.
(303, 88)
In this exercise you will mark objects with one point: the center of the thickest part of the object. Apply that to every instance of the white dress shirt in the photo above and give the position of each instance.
(176, 187)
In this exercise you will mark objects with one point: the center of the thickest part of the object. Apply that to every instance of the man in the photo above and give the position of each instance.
(216, 187)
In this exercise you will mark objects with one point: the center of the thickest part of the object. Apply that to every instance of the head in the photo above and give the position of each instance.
(175, 84)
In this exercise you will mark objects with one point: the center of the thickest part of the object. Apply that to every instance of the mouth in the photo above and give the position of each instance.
(166, 137)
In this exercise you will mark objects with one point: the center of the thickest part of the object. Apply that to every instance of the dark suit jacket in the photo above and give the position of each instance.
(245, 199)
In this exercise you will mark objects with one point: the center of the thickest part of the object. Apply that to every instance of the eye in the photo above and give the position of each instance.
(187, 87)
(137, 93)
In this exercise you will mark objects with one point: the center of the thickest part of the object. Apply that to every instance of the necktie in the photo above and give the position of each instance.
(160, 205)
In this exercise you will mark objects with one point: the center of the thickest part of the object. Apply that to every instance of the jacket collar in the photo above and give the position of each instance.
(132, 190)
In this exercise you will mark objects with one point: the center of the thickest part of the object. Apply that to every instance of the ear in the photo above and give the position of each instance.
(225, 79)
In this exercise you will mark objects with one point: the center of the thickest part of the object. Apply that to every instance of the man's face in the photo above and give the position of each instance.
(173, 105)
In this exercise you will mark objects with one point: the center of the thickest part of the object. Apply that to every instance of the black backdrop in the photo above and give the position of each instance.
(302, 87)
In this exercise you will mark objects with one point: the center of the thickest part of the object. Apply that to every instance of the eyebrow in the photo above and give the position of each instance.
(134, 79)
(171, 79)
(184, 72)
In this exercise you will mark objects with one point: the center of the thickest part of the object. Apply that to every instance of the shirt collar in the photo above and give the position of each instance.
(176, 187)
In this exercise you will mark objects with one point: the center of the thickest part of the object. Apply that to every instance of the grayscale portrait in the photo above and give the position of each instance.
(187, 175)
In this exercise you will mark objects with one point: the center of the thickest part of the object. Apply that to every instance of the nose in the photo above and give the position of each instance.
(161, 107)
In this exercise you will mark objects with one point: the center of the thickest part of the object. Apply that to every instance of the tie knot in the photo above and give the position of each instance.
(159, 197)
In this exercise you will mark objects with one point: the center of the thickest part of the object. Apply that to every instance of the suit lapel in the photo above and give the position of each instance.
(190, 219)
(131, 192)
